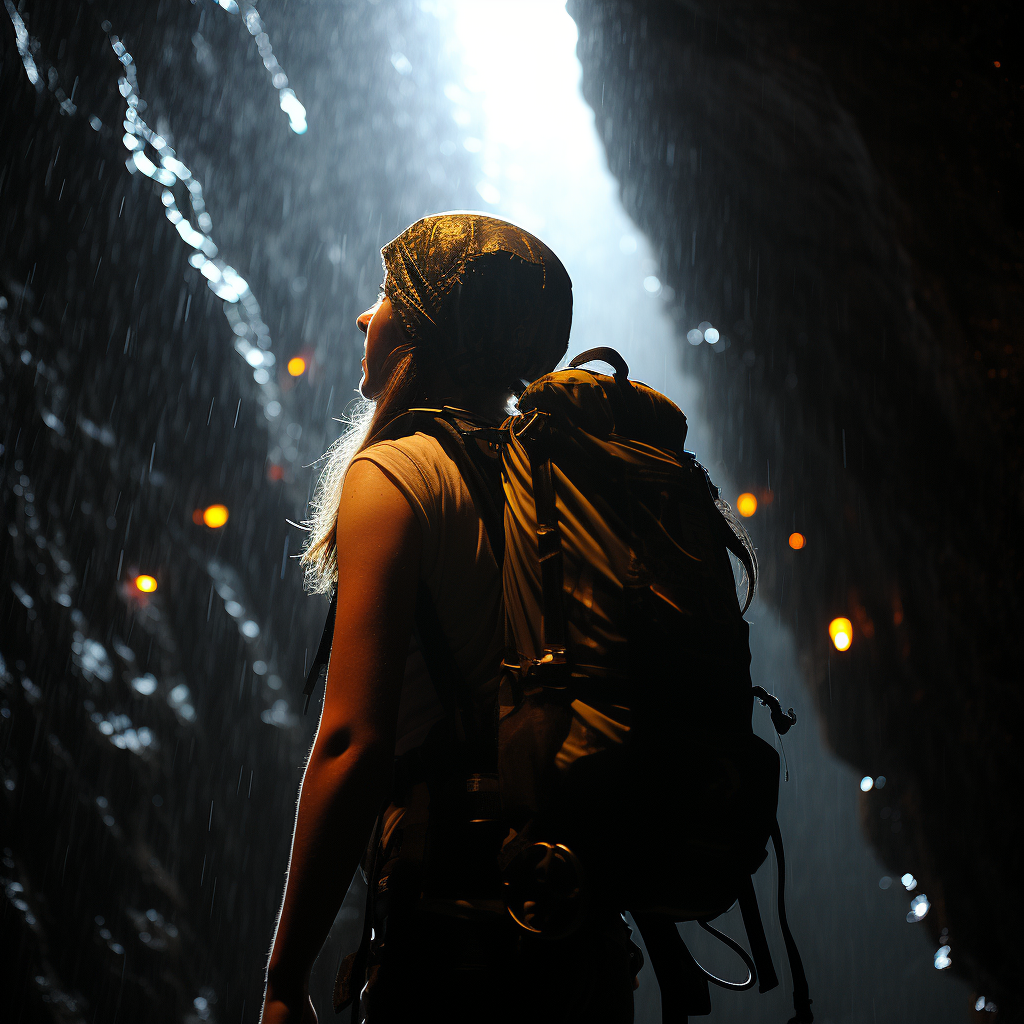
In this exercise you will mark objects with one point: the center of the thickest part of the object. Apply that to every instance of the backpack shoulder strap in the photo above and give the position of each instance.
(457, 431)
(485, 487)
(536, 439)
(323, 652)
(482, 478)
(442, 667)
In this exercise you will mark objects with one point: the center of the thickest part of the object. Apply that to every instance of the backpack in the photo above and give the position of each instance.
(623, 728)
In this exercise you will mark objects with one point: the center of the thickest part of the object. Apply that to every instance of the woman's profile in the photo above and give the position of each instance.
(471, 306)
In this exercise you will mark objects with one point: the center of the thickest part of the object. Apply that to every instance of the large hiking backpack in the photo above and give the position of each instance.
(628, 771)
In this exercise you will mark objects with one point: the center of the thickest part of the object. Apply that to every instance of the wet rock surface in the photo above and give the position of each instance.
(150, 742)
(833, 188)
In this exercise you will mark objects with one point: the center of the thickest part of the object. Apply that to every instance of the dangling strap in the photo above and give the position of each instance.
(352, 970)
(683, 984)
(732, 986)
(754, 927)
(549, 544)
(323, 652)
(801, 995)
(725, 531)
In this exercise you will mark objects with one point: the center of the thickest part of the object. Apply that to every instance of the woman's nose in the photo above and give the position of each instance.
(363, 320)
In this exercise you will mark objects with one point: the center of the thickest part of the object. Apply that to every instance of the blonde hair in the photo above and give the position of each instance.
(400, 392)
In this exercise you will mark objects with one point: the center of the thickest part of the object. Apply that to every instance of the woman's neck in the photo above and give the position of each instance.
(491, 405)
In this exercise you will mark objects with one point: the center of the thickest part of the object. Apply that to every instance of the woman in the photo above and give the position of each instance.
(470, 307)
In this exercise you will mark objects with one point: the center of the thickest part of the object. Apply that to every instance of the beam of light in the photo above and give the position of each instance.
(841, 632)
(515, 96)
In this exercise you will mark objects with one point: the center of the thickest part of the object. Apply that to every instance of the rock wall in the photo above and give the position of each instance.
(151, 744)
(835, 188)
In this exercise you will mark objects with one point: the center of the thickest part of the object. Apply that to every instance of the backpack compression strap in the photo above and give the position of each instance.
(554, 664)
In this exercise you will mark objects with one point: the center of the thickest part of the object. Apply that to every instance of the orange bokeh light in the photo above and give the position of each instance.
(797, 541)
(275, 472)
(841, 631)
(746, 504)
(296, 366)
(215, 516)
(145, 584)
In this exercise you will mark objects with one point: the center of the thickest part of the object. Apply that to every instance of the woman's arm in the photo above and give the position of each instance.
(349, 768)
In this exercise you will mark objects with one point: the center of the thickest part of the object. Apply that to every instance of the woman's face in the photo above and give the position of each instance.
(384, 334)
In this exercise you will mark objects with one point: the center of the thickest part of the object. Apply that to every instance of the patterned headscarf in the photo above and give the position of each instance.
(492, 300)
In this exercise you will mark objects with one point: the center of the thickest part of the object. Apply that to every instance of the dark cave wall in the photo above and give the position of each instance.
(141, 877)
(836, 188)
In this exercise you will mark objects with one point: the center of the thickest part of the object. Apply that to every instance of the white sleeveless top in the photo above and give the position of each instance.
(460, 570)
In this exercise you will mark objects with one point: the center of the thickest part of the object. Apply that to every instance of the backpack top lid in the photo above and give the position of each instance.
(603, 406)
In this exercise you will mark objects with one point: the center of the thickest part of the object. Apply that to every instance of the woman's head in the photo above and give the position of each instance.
(488, 300)
(471, 305)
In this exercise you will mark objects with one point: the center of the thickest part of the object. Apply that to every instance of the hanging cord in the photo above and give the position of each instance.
(782, 720)
(785, 760)
(733, 986)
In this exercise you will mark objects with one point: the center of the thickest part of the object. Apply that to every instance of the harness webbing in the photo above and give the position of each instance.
(801, 994)
(443, 425)
(549, 544)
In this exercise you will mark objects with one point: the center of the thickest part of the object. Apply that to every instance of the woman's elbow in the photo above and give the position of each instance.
(362, 747)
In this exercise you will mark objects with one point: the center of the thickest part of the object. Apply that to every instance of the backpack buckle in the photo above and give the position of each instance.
(552, 670)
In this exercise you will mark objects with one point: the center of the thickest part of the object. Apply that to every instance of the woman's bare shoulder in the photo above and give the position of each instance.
(372, 505)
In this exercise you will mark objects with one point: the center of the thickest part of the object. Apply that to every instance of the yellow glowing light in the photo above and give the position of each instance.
(841, 631)
(797, 541)
(215, 516)
(145, 583)
(746, 505)
(296, 366)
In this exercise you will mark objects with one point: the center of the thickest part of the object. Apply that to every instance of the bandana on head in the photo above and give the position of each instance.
(492, 300)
